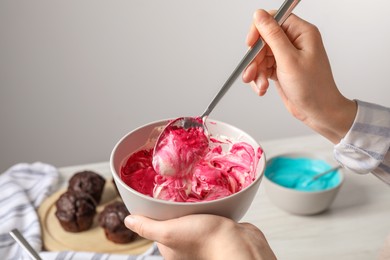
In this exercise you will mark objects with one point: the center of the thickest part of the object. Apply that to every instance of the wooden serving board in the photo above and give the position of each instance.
(55, 238)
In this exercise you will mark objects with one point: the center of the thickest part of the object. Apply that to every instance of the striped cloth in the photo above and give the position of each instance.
(365, 148)
(23, 188)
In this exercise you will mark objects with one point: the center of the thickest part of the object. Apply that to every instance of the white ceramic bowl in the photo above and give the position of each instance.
(297, 201)
(234, 206)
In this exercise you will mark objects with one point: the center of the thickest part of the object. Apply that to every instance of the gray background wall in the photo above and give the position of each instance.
(75, 76)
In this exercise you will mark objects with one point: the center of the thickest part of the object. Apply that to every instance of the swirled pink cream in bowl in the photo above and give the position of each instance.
(221, 179)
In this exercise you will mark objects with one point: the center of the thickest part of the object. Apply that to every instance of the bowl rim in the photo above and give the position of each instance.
(309, 155)
(202, 203)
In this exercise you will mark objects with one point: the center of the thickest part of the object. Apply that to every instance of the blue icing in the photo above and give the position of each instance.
(296, 173)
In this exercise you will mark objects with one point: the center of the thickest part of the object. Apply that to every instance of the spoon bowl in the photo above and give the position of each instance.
(188, 122)
(181, 144)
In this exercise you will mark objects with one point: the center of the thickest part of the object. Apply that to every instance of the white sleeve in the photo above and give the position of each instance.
(365, 148)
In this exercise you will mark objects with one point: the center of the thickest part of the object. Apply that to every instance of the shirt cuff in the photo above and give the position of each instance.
(366, 144)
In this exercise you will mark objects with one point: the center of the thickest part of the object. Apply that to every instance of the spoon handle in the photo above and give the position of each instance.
(281, 15)
(24, 244)
(315, 177)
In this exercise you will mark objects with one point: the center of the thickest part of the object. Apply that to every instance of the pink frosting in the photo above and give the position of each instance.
(213, 173)
(179, 150)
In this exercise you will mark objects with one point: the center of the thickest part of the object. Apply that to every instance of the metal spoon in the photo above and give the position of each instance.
(199, 122)
(19, 238)
(312, 179)
(319, 175)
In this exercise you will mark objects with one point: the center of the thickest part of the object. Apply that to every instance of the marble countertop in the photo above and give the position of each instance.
(355, 226)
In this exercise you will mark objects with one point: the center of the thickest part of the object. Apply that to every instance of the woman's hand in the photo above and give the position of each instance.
(295, 58)
(203, 237)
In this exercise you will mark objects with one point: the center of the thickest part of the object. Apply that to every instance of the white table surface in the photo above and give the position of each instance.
(355, 227)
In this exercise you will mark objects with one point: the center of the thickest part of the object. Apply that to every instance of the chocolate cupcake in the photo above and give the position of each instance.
(89, 182)
(75, 211)
(111, 219)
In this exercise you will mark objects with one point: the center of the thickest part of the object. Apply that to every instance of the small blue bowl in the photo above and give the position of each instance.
(288, 183)
(297, 173)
